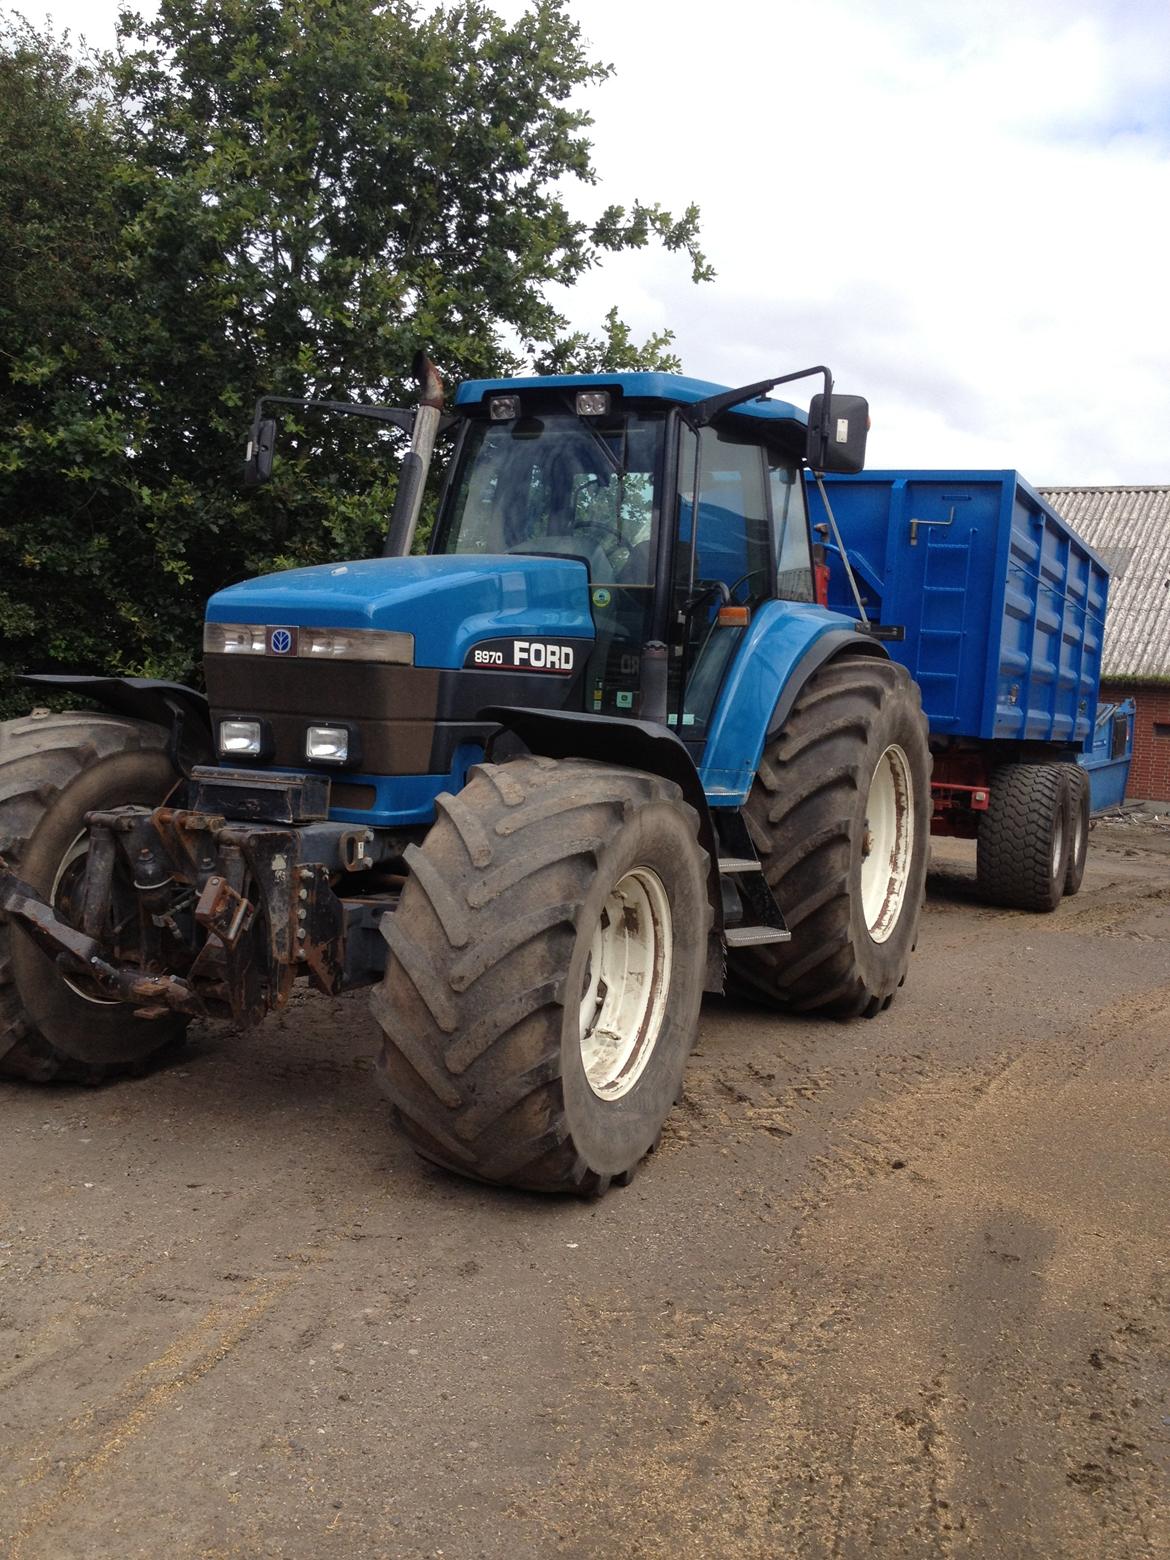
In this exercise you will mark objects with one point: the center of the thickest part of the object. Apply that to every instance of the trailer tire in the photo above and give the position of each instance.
(546, 969)
(53, 770)
(1080, 806)
(855, 742)
(1023, 846)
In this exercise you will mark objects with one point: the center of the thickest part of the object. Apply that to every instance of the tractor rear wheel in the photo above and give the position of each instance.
(546, 967)
(840, 817)
(53, 770)
(1023, 846)
(1080, 806)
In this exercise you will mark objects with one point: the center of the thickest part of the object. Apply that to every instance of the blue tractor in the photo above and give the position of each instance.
(600, 750)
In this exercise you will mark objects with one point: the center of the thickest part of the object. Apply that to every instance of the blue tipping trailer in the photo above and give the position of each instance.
(1108, 759)
(997, 609)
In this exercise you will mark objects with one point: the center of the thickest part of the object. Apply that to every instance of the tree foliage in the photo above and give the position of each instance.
(67, 415)
(265, 196)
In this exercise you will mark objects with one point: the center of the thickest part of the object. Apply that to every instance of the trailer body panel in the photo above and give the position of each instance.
(1001, 604)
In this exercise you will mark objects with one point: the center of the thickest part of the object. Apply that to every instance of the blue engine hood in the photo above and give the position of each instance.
(447, 603)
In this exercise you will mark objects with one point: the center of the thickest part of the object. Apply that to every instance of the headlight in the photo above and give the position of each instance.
(234, 638)
(318, 644)
(592, 403)
(240, 738)
(357, 644)
(327, 744)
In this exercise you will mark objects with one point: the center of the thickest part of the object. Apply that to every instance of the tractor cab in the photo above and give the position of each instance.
(687, 517)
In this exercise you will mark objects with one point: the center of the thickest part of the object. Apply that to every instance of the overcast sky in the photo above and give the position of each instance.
(962, 206)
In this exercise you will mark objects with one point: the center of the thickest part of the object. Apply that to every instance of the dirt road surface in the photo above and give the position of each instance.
(887, 1288)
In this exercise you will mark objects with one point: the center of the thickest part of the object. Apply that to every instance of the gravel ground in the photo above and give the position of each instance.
(887, 1288)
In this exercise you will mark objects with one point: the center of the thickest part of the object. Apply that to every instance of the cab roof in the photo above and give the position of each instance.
(676, 389)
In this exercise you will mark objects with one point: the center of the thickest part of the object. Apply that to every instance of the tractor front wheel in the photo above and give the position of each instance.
(546, 968)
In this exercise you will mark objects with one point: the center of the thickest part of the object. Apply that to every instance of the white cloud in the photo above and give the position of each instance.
(962, 208)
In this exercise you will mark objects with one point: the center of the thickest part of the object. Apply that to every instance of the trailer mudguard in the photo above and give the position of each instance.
(784, 645)
(633, 744)
(180, 710)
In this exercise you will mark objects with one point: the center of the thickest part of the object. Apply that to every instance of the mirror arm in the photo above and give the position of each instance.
(399, 416)
(703, 412)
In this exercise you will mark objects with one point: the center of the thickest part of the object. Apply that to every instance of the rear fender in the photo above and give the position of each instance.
(783, 646)
(632, 744)
(180, 710)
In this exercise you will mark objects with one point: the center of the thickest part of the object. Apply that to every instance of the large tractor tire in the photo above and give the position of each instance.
(1025, 837)
(840, 817)
(546, 968)
(1079, 806)
(53, 770)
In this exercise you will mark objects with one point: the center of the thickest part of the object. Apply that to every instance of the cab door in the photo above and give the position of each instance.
(741, 540)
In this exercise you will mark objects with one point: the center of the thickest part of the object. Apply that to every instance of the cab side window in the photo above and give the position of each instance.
(794, 576)
(732, 543)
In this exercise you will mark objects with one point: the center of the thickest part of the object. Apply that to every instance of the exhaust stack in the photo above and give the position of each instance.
(416, 462)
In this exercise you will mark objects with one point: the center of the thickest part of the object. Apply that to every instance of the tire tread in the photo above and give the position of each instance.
(40, 756)
(468, 1060)
(801, 815)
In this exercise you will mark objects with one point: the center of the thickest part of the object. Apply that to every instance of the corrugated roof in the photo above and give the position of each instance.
(1130, 528)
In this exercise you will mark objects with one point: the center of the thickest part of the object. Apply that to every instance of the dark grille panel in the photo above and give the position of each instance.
(410, 719)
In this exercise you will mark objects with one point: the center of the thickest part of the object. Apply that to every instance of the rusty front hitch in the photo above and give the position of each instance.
(188, 910)
(78, 954)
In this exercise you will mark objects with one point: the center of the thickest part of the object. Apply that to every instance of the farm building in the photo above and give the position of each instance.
(1130, 528)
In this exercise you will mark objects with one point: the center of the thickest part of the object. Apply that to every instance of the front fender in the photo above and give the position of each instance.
(784, 645)
(182, 711)
(633, 744)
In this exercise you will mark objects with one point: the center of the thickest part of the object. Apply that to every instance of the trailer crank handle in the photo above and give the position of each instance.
(914, 524)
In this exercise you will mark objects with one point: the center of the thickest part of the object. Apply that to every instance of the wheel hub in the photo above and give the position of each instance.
(64, 896)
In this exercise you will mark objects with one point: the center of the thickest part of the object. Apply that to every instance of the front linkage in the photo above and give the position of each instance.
(212, 910)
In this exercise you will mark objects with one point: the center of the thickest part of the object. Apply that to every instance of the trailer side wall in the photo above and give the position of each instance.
(1001, 603)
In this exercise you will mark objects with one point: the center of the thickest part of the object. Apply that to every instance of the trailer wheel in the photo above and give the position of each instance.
(840, 817)
(1023, 847)
(53, 770)
(1079, 811)
(546, 968)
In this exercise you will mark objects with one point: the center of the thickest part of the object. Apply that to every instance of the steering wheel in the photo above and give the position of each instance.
(599, 533)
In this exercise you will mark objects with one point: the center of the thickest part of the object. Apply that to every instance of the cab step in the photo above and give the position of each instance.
(728, 865)
(753, 936)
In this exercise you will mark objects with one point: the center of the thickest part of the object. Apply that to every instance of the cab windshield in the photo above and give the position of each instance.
(559, 484)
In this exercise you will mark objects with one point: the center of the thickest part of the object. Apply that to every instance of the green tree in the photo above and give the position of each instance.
(68, 591)
(289, 197)
(615, 352)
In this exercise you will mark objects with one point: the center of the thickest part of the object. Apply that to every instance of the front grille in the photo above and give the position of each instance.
(394, 708)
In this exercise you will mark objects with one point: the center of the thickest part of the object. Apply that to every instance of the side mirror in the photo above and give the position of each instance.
(844, 448)
(258, 457)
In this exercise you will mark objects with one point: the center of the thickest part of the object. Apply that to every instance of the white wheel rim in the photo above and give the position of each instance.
(79, 848)
(889, 843)
(627, 979)
(1057, 839)
(1078, 835)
